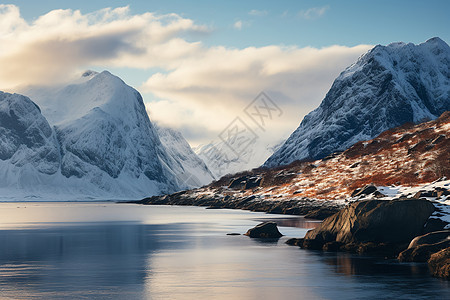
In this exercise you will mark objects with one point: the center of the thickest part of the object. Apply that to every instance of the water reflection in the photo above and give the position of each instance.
(298, 222)
(157, 253)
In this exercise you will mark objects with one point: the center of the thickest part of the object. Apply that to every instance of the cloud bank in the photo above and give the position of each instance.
(197, 89)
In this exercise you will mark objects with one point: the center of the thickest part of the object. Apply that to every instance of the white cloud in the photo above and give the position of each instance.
(238, 25)
(209, 90)
(63, 41)
(258, 13)
(313, 12)
(198, 89)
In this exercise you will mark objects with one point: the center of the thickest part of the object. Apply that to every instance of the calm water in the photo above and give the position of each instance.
(125, 251)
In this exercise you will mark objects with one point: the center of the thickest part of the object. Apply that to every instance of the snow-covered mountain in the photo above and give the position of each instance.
(190, 169)
(222, 159)
(26, 138)
(98, 143)
(387, 87)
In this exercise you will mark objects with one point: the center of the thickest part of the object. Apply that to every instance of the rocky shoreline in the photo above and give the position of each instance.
(310, 208)
(394, 229)
(412, 227)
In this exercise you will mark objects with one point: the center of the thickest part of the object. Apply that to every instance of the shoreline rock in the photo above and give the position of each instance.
(264, 230)
(430, 248)
(313, 209)
(439, 264)
(393, 228)
(378, 221)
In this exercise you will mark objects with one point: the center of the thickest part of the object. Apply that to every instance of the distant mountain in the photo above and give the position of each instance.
(387, 87)
(190, 168)
(98, 142)
(221, 159)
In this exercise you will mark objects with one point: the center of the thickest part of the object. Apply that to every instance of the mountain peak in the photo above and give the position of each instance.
(94, 138)
(387, 87)
(89, 73)
(436, 41)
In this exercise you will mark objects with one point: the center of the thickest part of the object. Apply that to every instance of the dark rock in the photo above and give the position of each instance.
(430, 238)
(350, 247)
(378, 194)
(233, 233)
(367, 190)
(434, 224)
(238, 183)
(332, 155)
(294, 242)
(396, 221)
(253, 182)
(439, 263)
(312, 244)
(437, 192)
(355, 165)
(332, 246)
(442, 192)
(321, 213)
(421, 194)
(264, 230)
(422, 247)
(423, 252)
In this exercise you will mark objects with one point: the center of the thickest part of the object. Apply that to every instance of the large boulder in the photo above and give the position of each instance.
(422, 247)
(439, 263)
(378, 221)
(264, 230)
(430, 238)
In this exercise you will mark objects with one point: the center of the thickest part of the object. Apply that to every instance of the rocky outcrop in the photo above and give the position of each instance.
(430, 238)
(396, 221)
(371, 226)
(439, 263)
(216, 199)
(321, 213)
(245, 182)
(264, 230)
(367, 190)
(422, 247)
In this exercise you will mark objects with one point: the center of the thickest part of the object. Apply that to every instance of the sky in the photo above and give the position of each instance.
(199, 64)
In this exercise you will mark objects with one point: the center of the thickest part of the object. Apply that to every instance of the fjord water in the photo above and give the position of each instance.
(127, 251)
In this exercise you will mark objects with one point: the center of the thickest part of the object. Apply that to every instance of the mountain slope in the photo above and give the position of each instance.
(102, 144)
(410, 161)
(190, 169)
(387, 87)
(222, 160)
(26, 140)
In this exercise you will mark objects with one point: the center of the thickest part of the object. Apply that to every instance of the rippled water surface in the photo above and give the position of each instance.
(126, 251)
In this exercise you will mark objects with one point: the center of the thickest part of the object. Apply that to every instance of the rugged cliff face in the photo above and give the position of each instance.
(387, 87)
(26, 138)
(98, 143)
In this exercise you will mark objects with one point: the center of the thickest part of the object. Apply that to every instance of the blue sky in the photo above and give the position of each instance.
(212, 57)
(344, 22)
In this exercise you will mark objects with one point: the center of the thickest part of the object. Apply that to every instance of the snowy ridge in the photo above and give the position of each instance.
(190, 169)
(102, 145)
(387, 87)
(222, 160)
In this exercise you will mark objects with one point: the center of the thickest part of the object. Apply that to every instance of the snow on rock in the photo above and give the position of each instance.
(102, 145)
(190, 169)
(387, 87)
(442, 203)
(26, 138)
(223, 159)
